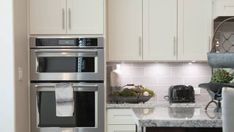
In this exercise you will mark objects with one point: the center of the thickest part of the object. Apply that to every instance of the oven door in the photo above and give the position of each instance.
(67, 64)
(88, 108)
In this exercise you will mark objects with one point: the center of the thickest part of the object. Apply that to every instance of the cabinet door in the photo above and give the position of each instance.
(160, 29)
(125, 29)
(224, 8)
(120, 116)
(85, 16)
(121, 128)
(194, 29)
(47, 16)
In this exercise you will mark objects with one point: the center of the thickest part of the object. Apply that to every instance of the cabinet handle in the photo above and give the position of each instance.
(63, 18)
(69, 15)
(140, 46)
(174, 42)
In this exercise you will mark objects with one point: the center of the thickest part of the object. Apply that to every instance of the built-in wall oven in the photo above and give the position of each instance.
(88, 108)
(78, 62)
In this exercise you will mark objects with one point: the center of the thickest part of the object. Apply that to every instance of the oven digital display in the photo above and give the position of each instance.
(67, 42)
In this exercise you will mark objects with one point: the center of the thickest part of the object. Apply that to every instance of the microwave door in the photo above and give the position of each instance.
(64, 64)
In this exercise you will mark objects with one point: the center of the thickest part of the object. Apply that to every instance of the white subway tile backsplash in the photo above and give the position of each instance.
(160, 76)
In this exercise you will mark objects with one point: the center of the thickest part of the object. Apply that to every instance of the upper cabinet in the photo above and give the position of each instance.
(194, 29)
(47, 16)
(160, 29)
(171, 29)
(66, 16)
(125, 29)
(85, 16)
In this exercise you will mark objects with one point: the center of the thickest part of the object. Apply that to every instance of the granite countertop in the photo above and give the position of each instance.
(148, 105)
(126, 105)
(177, 117)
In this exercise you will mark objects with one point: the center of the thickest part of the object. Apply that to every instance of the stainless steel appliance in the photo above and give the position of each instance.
(88, 114)
(77, 61)
(67, 59)
(181, 94)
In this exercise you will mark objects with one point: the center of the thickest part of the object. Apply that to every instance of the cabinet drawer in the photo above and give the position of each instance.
(120, 116)
(224, 8)
(121, 128)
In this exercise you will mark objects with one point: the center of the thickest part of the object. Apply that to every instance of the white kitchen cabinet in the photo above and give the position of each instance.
(121, 120)
(85, 16)
(66, 16)
(121, 128)
(194, 29)
(223, 8)
(160, 29)
(47, 16)
(125, 29)
(172, 30)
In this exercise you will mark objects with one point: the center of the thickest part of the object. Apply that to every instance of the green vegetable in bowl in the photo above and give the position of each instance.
(134, 92)
(221, 76)
(128, 93)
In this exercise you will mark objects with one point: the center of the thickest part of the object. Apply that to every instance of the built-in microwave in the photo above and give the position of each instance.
(67, 59)
(88, 108)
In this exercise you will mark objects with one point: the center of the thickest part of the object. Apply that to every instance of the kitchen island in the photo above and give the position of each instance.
(179, 118)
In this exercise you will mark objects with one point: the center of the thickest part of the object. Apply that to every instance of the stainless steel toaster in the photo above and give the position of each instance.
(181, 94)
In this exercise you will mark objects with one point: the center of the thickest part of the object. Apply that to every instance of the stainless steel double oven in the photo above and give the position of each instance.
(77, 61)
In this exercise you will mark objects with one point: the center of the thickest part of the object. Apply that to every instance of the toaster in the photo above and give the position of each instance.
(181, 94)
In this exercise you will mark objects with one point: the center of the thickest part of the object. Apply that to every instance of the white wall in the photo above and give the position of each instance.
(14, 113)
(21, 63)
(6, 67)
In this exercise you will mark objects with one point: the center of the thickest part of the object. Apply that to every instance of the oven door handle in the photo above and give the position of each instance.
(76, 87)
(66, 52)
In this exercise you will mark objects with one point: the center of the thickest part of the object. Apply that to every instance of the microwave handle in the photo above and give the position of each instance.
(66, 52)
(76, 87)
(63, 50)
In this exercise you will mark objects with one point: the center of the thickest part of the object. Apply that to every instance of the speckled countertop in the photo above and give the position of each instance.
(182, 115)
(177, 117)
(126, 105)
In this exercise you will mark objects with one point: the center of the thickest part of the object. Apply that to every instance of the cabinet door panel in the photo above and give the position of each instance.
(121, 128)
(194, 29)
(120, 116)
(224, 8)
(160, 29)
(85, 16)
(125, 29)
(47, 16)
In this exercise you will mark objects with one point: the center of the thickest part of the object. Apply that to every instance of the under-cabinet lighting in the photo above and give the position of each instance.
(117, 68)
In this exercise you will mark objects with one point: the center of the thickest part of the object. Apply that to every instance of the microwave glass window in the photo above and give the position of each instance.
(66, 64)
(84, 110)
(57, 64)
(86, 64)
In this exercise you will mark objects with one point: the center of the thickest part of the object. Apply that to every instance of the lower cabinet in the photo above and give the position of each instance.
(181, 129)
(121, 120)
(121, 128)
